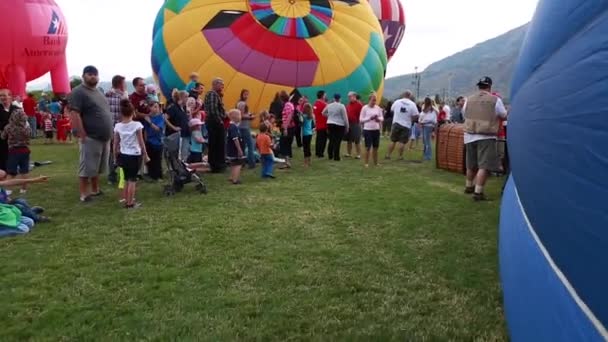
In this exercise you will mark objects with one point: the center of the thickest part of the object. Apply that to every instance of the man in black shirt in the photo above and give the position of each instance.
(6, 110)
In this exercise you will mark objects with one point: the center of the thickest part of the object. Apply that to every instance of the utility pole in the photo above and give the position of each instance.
(416, 82)
(450, 87)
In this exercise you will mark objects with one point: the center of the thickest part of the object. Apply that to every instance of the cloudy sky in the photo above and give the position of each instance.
(115, 35)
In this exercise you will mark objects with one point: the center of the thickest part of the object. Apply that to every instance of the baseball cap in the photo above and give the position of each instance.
(485, 81)
(352, 93)
(195, 122)
(337, 96)
(89, 69)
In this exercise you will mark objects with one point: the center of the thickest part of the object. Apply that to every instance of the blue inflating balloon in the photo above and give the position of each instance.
(554, 219)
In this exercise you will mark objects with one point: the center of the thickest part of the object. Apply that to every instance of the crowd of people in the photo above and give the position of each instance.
(125, 133)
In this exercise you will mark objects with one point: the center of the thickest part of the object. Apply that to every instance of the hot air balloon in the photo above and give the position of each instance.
(35, 36)
(392, 20)
(301, 46)
(554, 216)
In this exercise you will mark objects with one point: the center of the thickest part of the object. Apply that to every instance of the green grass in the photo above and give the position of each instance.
(337, 252)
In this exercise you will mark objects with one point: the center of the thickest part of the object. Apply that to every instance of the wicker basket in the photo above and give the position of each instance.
(450, 148)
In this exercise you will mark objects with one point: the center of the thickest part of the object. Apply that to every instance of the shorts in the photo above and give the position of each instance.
(354, 134)
(94, 156)
(48, 134)
(482, 154)
(130, 166)
(400, 134)
(236, 161)
(18, 163)
(372, 139)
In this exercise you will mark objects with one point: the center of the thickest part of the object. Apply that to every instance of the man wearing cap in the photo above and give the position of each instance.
(482, 112)
(93, 121)
(214, 107)
(337, 126)
(353, 110)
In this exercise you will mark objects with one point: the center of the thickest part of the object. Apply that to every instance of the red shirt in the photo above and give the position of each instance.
(320, 120)
(442, 116)
(140, 102)
(29, 106)
(353, 110)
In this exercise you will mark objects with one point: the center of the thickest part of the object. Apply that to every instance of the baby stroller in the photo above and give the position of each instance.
(179, 174)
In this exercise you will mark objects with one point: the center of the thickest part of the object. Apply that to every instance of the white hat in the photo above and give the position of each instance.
(195, 122)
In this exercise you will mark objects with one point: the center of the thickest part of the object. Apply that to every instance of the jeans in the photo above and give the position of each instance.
(25, 208)
(32, 121)
(321, 143)
(25, 225)
(246, 135)
(427, 133)
(155, 165)
(267, 165)
(336, 134)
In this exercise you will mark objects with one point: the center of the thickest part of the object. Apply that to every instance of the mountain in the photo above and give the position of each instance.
(495, 58)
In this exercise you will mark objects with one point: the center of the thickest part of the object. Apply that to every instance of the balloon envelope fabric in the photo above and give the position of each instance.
(265, 46)
(554, 219)
(392, 20)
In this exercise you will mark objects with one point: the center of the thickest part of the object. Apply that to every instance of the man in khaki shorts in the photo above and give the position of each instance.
(481, 120)
(93, 120)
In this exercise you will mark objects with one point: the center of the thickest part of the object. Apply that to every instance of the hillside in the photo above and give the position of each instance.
(495, 58)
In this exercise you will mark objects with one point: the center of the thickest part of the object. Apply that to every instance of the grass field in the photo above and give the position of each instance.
(337, 252)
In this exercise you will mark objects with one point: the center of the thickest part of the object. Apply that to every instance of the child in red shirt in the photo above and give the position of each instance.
(64, 127)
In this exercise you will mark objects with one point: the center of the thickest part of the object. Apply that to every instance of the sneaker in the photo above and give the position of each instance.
(366, 166)
(133, 206)
(97, 194)
(23, 191)
(238, 182)
(358, 157)
(479, 197)
(38, 210)
(43, 219)
(347, 156)
(86, 199)
(469, 190)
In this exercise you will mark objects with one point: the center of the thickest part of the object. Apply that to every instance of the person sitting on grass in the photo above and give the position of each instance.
(129, 148)
(13, 222)
(234, 147)
(35, 213)
(17, 134)
(264, 145)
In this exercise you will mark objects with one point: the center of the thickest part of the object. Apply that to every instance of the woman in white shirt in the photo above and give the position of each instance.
(129, 148)
(371, 118)
(428, 121)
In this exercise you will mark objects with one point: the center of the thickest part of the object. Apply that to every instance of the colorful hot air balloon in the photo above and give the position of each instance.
(35, 36)
(392, 20)
(300, 46)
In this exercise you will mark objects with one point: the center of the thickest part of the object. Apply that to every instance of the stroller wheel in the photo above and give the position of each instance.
(202, 188)
(168, 191)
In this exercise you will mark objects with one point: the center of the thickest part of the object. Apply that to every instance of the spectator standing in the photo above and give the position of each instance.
(29, 107)
(353, 110)
(154, 130)
(214, 106)
(337, 126)
(372, 117)
(276, 108)
(114, 96)
(177, 121)
(17, 133)
(245, 127)
(482, 112)
(93, 120)
(428, 121)
(320, 124)
(388, 119)
(456, 116)
(7, 108)
(308, 125)
(288, 127)
(405, 112)
(197, 91)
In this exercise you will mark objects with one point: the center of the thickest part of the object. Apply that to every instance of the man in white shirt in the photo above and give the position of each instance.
(405, 111)
(481, 113)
